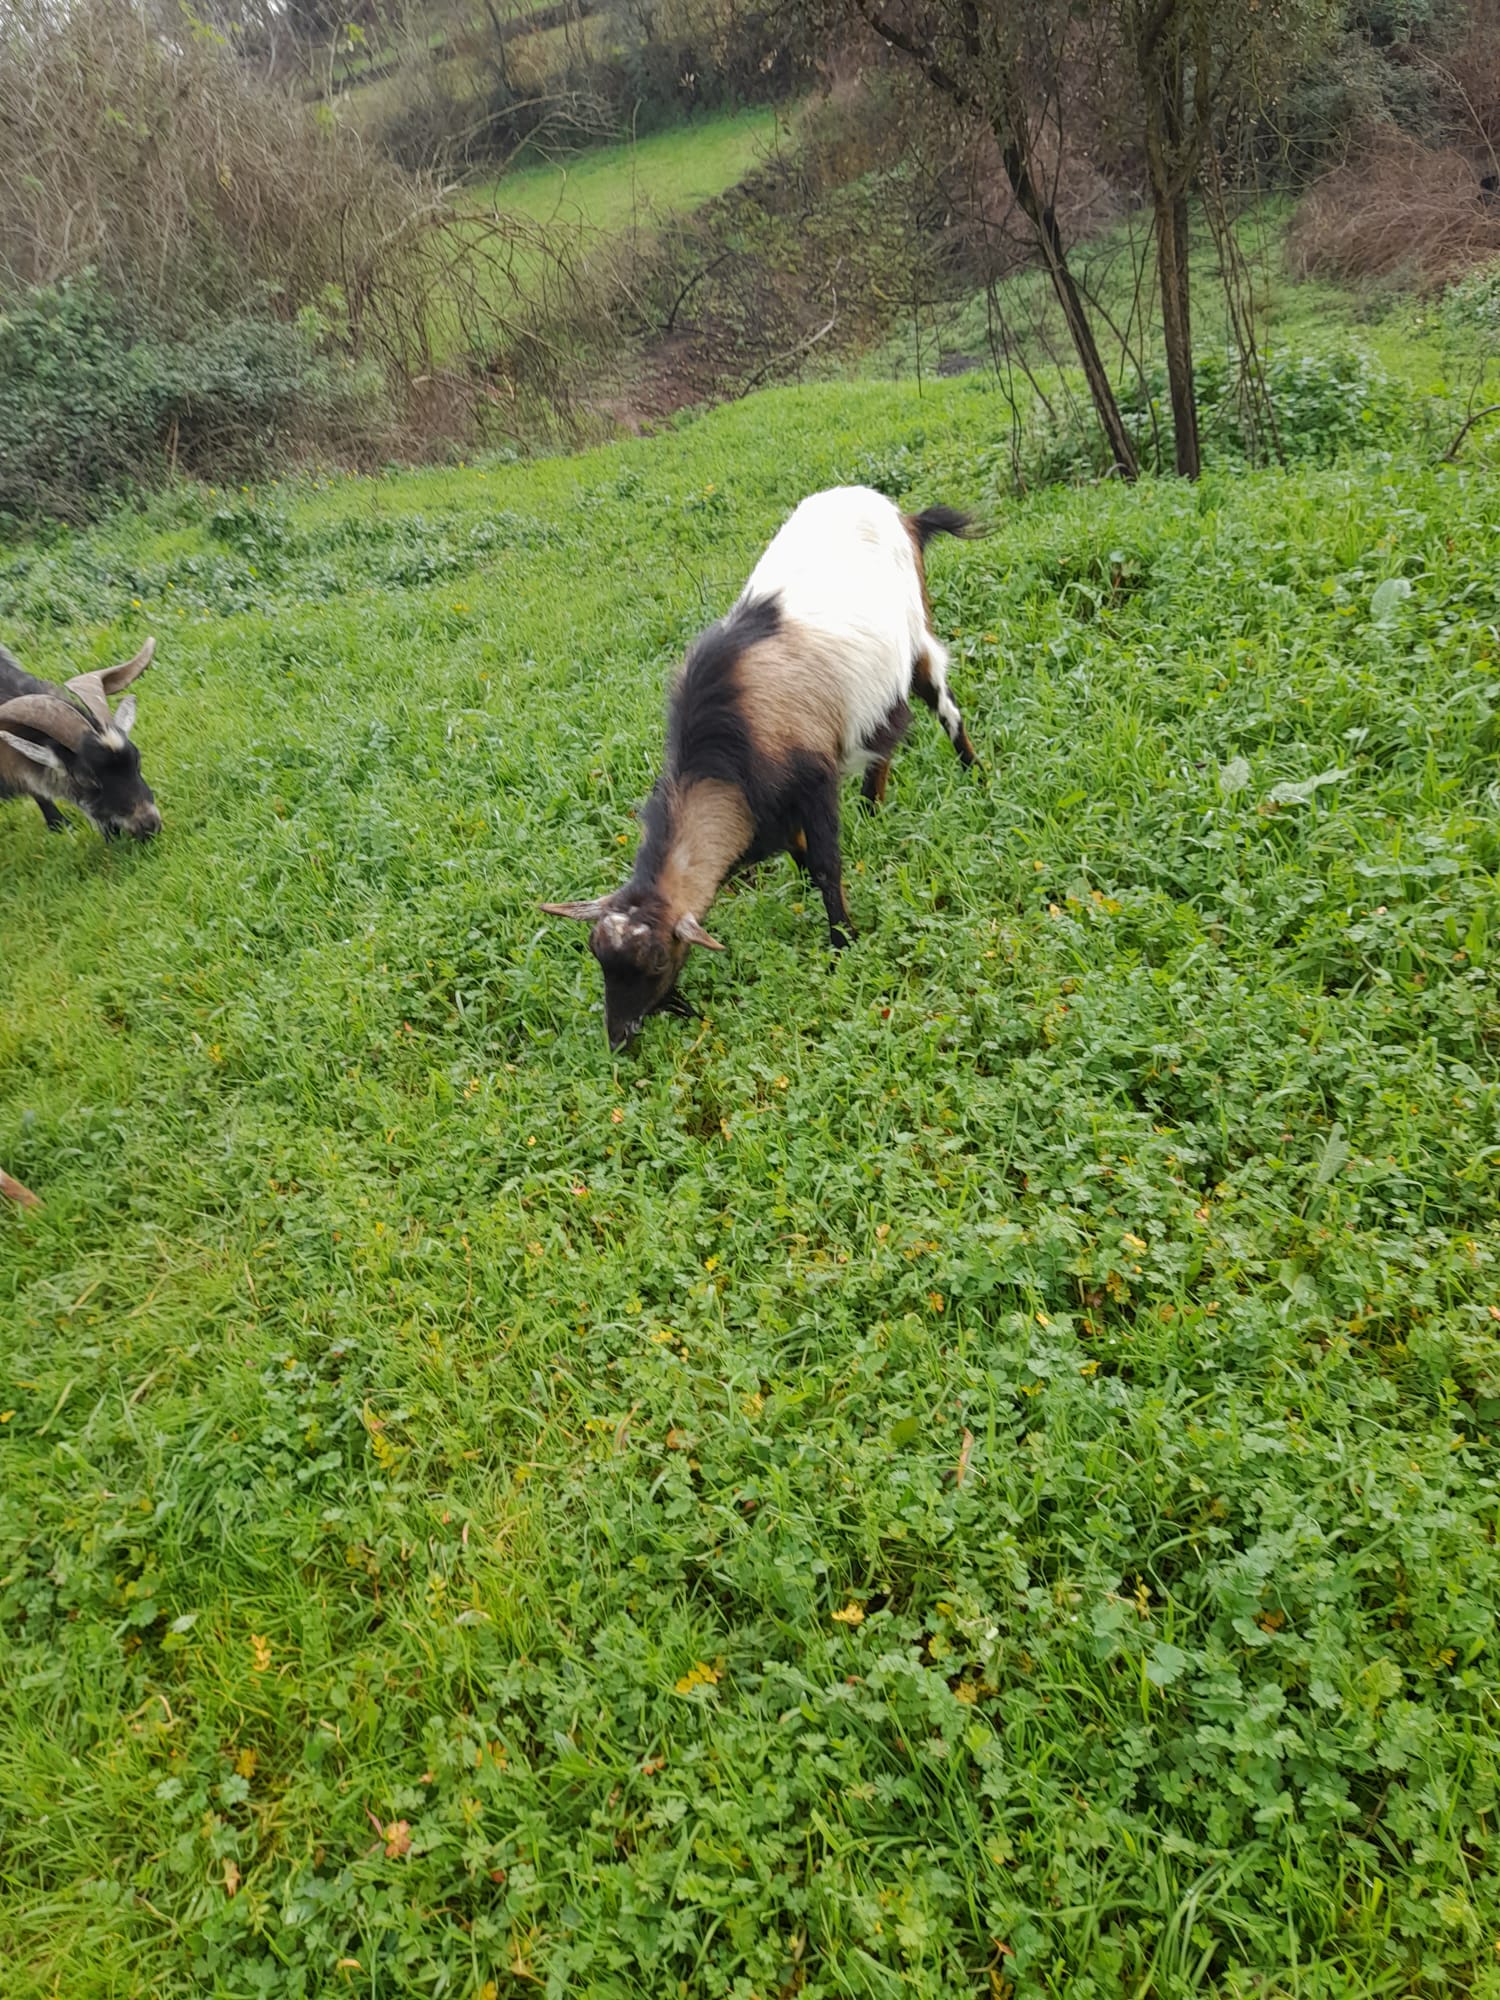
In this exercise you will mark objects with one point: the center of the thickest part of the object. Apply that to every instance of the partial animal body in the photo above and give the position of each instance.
(808, 679)
(62, 745)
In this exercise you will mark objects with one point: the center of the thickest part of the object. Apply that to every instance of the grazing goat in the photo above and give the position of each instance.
(63, 744)
(805, 680)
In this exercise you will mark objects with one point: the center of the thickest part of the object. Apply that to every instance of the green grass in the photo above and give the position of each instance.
(410, 1415)
(612, 188)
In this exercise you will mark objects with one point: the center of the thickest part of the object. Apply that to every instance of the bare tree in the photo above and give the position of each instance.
(992, 61)
(1197, 65)
(1170, 44)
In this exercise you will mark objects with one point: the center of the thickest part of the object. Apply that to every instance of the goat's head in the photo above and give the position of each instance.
(84, 751)
(641, 951)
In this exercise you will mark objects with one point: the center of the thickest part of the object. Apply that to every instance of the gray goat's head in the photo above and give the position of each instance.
(80, 753)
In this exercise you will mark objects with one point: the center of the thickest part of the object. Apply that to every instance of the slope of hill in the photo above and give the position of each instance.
(970, 1468)
(613, 188)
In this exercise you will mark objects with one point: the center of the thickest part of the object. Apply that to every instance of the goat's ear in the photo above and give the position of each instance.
(125, 715)
(588, 912)
(692, 932)
(39, 753)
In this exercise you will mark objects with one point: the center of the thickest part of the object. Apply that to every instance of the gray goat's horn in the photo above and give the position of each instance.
(89, 689)
(50, 716)
(95, 689)
(117, 679)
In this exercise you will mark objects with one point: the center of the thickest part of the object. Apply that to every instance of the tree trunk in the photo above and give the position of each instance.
(1177, 328)
(1159, 62)
(1044, 221)
(988, 85)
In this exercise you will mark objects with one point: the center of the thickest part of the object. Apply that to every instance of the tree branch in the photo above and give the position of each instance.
(926, 58)
(1449, 455)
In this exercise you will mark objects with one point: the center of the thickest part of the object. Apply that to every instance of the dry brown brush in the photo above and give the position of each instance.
(1398, 212)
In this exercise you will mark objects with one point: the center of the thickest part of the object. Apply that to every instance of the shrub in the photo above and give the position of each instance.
(90, 403)
(1323, 405)
(1472, 306)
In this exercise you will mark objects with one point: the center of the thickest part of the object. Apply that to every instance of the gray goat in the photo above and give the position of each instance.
(61, 745)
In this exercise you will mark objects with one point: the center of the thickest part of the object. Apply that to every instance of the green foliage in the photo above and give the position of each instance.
(80, 402)
(89, 405)
(971, 1466)
(1472, 306)
(1324, 405)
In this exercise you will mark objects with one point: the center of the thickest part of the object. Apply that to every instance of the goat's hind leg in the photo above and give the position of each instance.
(929, 683)
(878, 746)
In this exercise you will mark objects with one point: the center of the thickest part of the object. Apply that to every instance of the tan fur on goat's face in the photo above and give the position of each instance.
(637, 940)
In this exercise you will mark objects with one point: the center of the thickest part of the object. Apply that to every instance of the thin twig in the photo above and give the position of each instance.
(799, 347)
(963, 1458)
(1465, 427)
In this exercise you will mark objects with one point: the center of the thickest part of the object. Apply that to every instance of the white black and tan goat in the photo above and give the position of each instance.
(61, 745)
(805, 680)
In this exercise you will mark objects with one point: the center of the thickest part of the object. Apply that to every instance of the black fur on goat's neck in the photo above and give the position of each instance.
(709, 735)
(15, 681)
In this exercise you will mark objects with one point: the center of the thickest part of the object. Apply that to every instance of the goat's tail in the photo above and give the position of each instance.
(943, 521)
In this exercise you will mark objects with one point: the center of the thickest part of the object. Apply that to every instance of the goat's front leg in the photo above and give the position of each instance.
(56, 822)
(821, 857)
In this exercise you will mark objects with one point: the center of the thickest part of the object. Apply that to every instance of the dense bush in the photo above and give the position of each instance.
(90, 403)
(162, 162)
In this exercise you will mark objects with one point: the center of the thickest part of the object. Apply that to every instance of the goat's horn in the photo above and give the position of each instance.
(692, 932)
(50, 716)
(89, 689)
(94, 690)
(117, 679)
(587, 911)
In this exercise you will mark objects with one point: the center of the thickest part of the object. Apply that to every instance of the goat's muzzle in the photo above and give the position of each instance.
(143, 824)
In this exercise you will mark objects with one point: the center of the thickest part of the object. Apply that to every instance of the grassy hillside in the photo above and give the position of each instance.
(967, 1470)
(611, 188)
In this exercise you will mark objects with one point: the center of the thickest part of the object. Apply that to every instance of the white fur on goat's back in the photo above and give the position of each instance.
(844, 568)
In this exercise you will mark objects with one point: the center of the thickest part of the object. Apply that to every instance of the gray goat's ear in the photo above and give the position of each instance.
(692, 932)
(39, 753)
(588, 912)
(125, 715)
